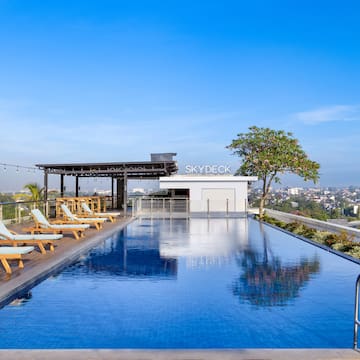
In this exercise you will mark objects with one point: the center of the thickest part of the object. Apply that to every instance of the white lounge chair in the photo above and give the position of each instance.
(12, 238)
(97, 222)
(42, 225)
(89, 212)
(13, 253)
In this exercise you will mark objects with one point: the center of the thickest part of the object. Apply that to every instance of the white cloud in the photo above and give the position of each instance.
(329, 114)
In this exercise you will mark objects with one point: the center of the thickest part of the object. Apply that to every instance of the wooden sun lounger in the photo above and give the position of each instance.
(13, 253)
(89, 213)
(43, 226)
(83, 216)
(97, 222)
(38, 243)
(76, 231)
(9, 237)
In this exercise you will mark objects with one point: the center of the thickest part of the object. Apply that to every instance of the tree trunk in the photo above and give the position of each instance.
(261, 207)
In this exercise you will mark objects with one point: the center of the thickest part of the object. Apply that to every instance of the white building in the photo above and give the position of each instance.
(138, 190)
(211, 193)
(294, 191)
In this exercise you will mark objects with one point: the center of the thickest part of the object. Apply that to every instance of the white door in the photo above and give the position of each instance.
(218, 199)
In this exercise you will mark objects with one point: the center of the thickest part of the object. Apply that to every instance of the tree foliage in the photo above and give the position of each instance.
(268, 153)
(36, 192)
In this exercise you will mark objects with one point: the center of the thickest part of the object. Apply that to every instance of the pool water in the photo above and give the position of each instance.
(191, 283)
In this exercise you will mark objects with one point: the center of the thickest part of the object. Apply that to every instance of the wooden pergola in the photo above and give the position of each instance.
(119, 171)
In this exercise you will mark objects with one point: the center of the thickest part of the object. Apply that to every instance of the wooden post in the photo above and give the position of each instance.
(45, 185)
(16, 213)
(76, 186)
(112, 193)
(125, 193)
(62, 185)
(119, 193)
(98, 204)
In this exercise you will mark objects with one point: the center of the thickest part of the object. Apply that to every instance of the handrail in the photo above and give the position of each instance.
(356, 314)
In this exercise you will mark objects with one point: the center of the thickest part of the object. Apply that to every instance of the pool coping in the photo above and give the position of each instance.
(32, 277)
(188, 354)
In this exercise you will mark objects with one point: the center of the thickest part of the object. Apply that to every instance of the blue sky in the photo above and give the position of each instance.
(102, 80)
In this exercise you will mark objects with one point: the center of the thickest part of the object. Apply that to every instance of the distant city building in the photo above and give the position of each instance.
(138, 191)
(294, 191)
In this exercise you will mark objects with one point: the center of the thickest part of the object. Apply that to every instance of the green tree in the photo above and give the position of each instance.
(267, 153)
(36, 192)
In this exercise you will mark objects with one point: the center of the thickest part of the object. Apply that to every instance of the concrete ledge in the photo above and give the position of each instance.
(193, 214)
(317, 224)
(244, 354)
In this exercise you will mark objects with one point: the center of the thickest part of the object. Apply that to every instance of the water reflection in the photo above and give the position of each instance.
(130, 255)
(266, 280)
(206, 242)
(21, 299)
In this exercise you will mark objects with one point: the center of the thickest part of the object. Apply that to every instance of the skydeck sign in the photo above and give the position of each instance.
(208, 169)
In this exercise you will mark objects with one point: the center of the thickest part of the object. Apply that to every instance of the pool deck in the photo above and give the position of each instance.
(245, 354)
(38, 266)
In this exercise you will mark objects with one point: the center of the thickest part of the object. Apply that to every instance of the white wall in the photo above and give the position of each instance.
(223, 192)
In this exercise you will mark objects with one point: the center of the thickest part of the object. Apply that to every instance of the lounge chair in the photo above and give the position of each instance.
(89, 212)
(97, 222)
(42, 225)
(13, 253)
(12, 238)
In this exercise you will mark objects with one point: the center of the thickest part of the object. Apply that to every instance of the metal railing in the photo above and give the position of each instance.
(356, 313)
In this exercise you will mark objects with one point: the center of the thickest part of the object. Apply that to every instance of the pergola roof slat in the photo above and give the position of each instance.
(140, 169)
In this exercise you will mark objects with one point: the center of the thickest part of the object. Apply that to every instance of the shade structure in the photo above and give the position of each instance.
(164, 165)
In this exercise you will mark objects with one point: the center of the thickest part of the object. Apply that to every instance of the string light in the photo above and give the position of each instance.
(19, 167)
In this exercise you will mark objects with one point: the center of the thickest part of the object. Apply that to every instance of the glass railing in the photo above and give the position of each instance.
(18, 212)
(153, 206)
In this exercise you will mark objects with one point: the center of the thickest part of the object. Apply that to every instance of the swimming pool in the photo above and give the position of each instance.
(191, 283)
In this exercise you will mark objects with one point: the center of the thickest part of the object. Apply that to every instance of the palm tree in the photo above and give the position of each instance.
(36, 192)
